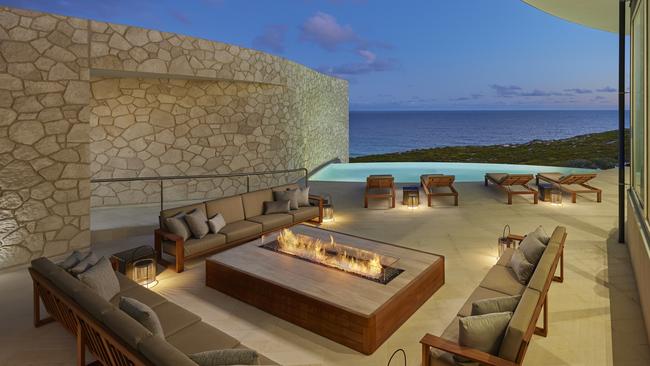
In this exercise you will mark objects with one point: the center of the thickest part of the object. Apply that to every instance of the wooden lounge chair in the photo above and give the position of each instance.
(506, 182)
(380, 186)
(564, 182)
(430, 182)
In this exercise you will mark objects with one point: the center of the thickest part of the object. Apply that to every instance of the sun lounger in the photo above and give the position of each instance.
(506, 182)
(564, 182)
(380, 186)
(430, 182)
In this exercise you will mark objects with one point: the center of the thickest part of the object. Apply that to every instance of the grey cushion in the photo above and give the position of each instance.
(532, 248)
(140, 293)
(540, 234)
(72, 260)
(143, 314)
(161, 353)
(66, 282)
(45, 266)
(127, 328)
(173, 318)
(538, 279)
(102, 279)
(304, 213)
(522, 268)
(479, 293)
(177, 225)
(495, 305)
(88, 261)
(272, 221)
(225, 357)
(241, 229)
(504, 259)
(198, 223)
(200, 337)
(502, 279)
(272, 207)
(216, 223)
(483, 332)
(303, 196)
(290, 195)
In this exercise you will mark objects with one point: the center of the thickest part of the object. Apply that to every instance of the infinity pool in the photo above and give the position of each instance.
(410, 172)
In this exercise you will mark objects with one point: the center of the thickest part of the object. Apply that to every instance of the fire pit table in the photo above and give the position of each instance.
(354, 291)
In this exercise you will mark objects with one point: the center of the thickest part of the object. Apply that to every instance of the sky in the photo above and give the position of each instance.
(399, 55)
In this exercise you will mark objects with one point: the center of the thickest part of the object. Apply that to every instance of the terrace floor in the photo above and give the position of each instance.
(594, 315)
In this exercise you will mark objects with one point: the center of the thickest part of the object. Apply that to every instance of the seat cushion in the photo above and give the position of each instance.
(502, 279)
(200, 337)
(140, 293)
(272, 221)
(193, 246)
(161, 353)
(231, 208)
(173, 318)
(518, 325)
(127, 328)
(497, 177)
(479, 293)
(125, 282)
(254, 202)
(380, 191)
(241, 229)
(304, 213)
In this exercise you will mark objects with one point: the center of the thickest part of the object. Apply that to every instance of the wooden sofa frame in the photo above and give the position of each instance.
(108, 348)
(430, 341)
(179, 243)
(573, 179)
(442, 181)
(514, 180)
(373, 182)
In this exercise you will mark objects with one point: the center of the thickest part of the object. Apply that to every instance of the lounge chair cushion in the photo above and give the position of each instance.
(193, 246)
(239, 356)
(532, 248)
(200, 337)
(197, 221)
(552, 176)
(102, 279)
(479, 293)
(380, 191)
(495, 305)
(140, 293)
(276, 207)
(521, 267)
(304, 213)
(161, 353)
(232, 208)
(498, 177)
(142, 313)
(273, 221)
(290, 195)
(503, 280)
(177, 225)
(254, 202)
(173, 318)
(521, 319)
(241, 229)
(483, 332)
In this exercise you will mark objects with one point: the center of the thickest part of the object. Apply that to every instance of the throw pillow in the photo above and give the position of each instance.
(303, 197)
(291, 195)
(216, 223)
(72, 260)
(540, 234)
(88, 261)
(532, 248)
(102, 279)
(482, 332)
(143, 314)
(495, 305)
(198, 223)
(271, 207)
(234, 356)
(177, 225)
(521, 266)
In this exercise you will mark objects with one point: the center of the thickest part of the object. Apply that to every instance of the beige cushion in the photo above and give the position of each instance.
(140, 293)
(272, 221)
(496, 305)
(503, 280)
(127, 328)
(102, 279)
(521, 267)
(142, 313)
(72, 260)
(304, 213)
(198, 223)
(504, 260)
(483, 332)
(170, 212)
(231, 208)
(479, 293)
(161, 353)
(216, 223)
(540, 234)
(173, 318)
(241, 229)
(518, 325)
(193, 246)
(200, 337)
(532, 248)
(498, 177)
(254, 202)
(303, 196)
(177, 225)
(538, 279)
(290, 195)
(276, 207)
(225, 357)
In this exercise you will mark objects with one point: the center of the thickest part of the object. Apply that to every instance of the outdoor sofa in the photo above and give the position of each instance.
(499, 282)
(245, 220)
(115, 338)
(506, 182)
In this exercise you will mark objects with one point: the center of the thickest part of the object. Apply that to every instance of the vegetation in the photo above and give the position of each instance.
(596, 150)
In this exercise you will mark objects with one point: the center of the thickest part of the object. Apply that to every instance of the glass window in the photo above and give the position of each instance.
(638, 96)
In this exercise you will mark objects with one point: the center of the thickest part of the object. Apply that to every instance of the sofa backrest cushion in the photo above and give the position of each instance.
(45, 266)
(176, 210)
(544, 267)
(102, 279)
(231, 208)
(285, 187)
(254, 202)
(161, 353)
(90, 301)
(518, 326)
(125, 327)
(66, 282)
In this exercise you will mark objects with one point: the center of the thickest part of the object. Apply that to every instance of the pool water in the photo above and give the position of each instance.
(410, 172)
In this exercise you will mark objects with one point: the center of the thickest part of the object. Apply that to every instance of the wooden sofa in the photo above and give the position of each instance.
(501, 281)
(244, 222)
(112, 336)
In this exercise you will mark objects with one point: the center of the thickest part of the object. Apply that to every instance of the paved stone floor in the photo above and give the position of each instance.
(594, 317)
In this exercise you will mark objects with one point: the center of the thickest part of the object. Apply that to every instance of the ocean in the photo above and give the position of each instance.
(392, 131)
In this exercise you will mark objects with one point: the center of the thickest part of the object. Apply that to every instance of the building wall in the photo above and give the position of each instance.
(160, 103)
(638, 246)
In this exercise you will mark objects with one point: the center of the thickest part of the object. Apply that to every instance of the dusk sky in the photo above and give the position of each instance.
(423, 55)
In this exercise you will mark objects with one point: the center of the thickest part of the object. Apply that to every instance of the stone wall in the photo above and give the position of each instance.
(161, 104)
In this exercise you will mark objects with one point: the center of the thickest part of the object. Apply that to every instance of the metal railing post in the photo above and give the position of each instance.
(248, 183)
(161, 196)
(306, 177)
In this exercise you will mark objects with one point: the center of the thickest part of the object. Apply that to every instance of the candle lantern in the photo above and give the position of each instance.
(328, 209)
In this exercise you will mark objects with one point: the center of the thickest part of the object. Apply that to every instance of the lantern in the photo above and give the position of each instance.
(556, 197)
(328, 209)
(504, 242)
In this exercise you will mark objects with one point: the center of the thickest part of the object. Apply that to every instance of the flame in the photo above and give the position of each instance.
(331, 254)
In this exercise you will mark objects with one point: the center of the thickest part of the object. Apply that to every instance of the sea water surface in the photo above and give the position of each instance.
(391, 131)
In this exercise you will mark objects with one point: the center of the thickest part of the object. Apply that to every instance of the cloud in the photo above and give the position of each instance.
(180, 16)
(607, 89)
(467, 98)
(579, 91)
(325, 31)
(272, 38)
(360, 68)
(506, 91)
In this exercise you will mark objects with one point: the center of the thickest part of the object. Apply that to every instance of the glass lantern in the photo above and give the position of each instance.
(328, 209)
(504, 242)
(143, 267)
(556, 197)
(413, 201)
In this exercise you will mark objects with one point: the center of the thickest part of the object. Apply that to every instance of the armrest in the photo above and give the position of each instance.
(168, 236)
(316, 199)
(515, 237)
(473, 354)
